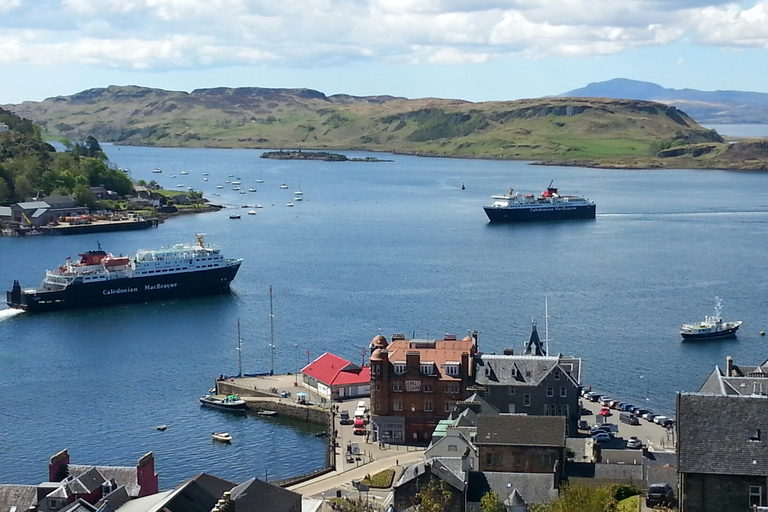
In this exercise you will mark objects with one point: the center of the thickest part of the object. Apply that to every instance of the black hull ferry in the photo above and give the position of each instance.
(516, 207)
(100, 279)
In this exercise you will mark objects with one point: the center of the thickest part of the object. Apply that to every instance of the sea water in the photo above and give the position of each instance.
(374, 248)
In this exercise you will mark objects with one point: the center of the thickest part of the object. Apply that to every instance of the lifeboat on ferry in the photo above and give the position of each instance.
(111, 261)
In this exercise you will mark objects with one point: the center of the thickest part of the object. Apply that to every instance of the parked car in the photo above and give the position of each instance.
(605, 400)
(359, 426)
(610, 426)
(583, 425)
(634, 443)
(601, 428)
(648, 416)
(659, 419)
(585, 393)
(361, 405)
(628, 418)
(605, 411)
(668, 423)
(659, 494)
(639, 411)
(616, 404)
(344, 417)
(627, 407)
(601, 437)
(594, 397)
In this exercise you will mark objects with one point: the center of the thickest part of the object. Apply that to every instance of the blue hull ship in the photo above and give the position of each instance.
(516, 207)
(100, 279)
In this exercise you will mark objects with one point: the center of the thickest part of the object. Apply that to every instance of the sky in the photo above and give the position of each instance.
(476, 50)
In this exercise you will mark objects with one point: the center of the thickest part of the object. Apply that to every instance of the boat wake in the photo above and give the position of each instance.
(5, 314)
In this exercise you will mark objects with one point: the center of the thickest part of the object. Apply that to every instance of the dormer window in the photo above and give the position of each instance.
(557, 375)
(451, 369)
(399, 368)
(426, 369)
(514, 371)
(487, 371)
(755, 437)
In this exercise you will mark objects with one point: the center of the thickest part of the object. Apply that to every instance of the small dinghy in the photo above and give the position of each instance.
(162, 427)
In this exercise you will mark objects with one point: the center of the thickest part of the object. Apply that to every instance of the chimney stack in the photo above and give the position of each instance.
(729, 366)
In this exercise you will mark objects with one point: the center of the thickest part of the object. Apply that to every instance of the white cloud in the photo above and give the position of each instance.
(184, 34)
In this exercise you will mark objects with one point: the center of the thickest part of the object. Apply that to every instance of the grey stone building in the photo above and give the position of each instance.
(722, 445)
(532, 383)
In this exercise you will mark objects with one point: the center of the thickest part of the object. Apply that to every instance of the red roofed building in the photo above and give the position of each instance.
(336, 378)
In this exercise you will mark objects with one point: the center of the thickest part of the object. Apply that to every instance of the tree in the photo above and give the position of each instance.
(581, 498)
(434, 497)
(490, 503)
(84, 196)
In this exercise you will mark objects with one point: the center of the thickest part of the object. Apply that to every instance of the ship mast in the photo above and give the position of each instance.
(271, 332)
(239, 350)
(546, 325)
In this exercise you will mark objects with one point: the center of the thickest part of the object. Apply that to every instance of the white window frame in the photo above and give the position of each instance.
(426, 369)
(527, 400)
(451, 369)
(563, 393)
(400, 368)
(758, 493)
(397, 405)
(550, 391)
(429, 406)
(397, 387)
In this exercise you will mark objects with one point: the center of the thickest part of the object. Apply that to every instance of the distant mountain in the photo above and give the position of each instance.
(707, 107)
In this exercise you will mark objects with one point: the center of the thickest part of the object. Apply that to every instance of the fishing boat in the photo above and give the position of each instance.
(222, 437)
(224, 402)
(712, 327)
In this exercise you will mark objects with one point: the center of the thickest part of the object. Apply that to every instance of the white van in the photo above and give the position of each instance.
(361, 405)
(360, 413)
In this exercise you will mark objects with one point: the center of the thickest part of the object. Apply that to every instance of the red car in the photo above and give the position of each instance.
(605, 411)
(359, 426)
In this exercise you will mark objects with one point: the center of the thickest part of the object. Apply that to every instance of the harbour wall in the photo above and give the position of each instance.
(317, 415)
(224, 387)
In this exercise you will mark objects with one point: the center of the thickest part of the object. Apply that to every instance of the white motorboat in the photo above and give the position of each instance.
(283, 186)
(251, 189)
(289, 204)
(222, 437)
(251, 212)
(259, 181)
(219, 186)
(298, 198)
(712, 327)
(183, 173)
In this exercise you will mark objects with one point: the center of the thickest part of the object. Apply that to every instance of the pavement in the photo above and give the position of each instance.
(653, 436)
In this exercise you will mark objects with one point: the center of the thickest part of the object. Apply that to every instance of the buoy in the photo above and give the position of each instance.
(762, 333)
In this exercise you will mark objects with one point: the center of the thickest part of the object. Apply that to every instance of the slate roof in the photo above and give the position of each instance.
(333, 370)
(257, 495)
(533, 346)
(714, 434)
(745, 380)
(123, 475)
(19, 496)
(5, 211)
(529, 370)
(479, 405)
(445, 468)
(198, 494)
(33, 205)
(60, 201)
(619, 472)
(79, 505)
(532, 487)
(520, 430)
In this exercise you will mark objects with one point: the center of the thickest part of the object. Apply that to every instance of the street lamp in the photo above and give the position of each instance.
(647, 388)
(296, 379)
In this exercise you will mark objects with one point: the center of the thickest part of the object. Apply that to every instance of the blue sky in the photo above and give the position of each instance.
(476, 50)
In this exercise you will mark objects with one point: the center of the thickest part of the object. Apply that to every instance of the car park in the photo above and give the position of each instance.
(605, 412)
(634, 443)
(601, 437)
(659, 494)
(344, 418)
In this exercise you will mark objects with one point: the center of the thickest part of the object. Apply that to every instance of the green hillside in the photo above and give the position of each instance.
(579, 131)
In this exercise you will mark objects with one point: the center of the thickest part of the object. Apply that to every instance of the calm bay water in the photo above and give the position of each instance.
(385, 247)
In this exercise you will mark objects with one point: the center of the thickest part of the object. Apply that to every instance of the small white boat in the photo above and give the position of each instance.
(298, 193)
(236, 183)
(235, 188)
(183, 173)
(283, 186)
(298, 198)
(234, 216)
(226, 181)
(173, 175)
(157, 170)
(205, 179)
(242, 191)
(231, 175)
(259, 181)
(289, 204)
(219, 186)
(251, 189)
(257, 206)
(205, 174)
(180, 185)
(222, 437)
(251, 212)
(162, 427)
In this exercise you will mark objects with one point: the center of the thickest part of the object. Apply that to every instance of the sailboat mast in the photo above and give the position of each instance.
(546, 325)
(239, 349)
(271, 332)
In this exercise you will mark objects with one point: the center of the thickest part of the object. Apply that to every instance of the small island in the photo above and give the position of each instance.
(316, 155)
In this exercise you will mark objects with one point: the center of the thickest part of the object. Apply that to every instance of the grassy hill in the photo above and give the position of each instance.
(580, 131)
